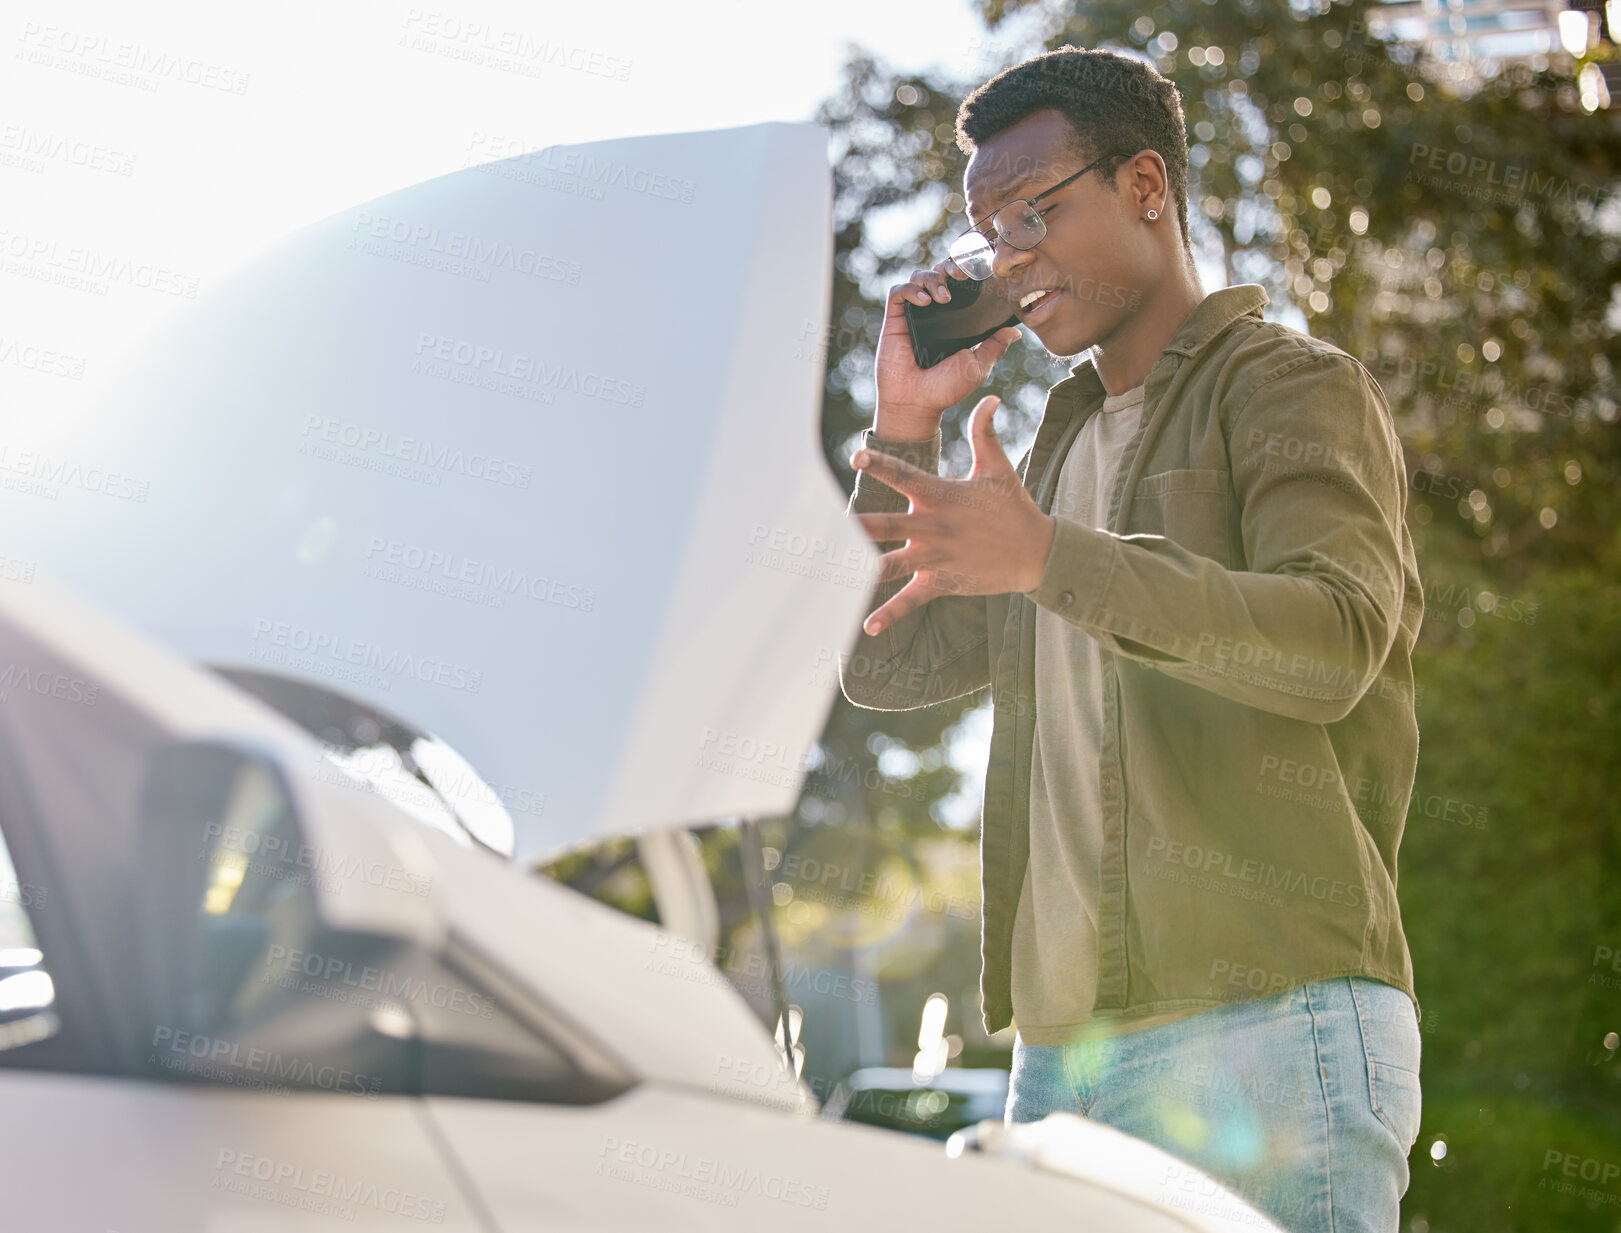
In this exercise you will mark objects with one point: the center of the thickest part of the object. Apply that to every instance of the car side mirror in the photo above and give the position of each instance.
(227, 894)
(217, 826)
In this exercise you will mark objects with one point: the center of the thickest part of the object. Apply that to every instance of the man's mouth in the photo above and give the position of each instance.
(1037, 303)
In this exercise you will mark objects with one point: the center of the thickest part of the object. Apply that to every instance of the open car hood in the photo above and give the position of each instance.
(527, 455)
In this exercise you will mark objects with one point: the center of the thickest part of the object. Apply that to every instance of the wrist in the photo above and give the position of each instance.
(905, 424)
(1046, 532)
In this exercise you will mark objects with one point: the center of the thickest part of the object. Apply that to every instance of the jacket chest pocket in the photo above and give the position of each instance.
(1192, 507)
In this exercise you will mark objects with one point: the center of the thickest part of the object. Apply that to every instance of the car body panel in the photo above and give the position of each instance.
(131, 1156)
(653, 1158)
(529, 468)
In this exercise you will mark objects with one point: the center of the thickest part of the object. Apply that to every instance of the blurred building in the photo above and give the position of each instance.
(1477, 36)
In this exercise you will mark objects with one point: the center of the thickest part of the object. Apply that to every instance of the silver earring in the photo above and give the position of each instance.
(1153, 214)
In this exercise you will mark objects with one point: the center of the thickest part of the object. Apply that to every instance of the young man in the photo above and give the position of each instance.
(1195, 602)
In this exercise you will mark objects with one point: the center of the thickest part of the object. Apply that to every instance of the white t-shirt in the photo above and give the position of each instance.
(1055, 941)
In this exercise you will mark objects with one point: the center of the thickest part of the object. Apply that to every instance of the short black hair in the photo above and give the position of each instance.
(1112, 102)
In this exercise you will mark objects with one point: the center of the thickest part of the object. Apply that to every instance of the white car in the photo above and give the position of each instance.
(247, 981)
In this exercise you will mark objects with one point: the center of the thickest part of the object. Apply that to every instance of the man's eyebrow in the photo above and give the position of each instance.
(1011, 193)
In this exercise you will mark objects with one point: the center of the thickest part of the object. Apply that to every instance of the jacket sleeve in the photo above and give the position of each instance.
(933, 653)
(1304, 630)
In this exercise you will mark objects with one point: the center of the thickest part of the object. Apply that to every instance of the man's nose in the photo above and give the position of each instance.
(1007, 260)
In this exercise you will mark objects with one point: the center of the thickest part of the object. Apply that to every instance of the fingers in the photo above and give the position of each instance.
(934, 282)
(927, 286)
(887, 528)
(908, 599)
(901, 563)
(984, 356)
(905, 293)
(902, 476)
(982, 439)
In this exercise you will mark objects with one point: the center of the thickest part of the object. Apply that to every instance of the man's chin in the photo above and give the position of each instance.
(1066, 336)
(1061, 341)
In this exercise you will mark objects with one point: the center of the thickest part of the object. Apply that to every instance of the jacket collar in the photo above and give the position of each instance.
(1210, 316)
(1214, 313)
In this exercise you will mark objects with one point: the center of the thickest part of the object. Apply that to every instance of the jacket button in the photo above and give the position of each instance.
(1066, 598)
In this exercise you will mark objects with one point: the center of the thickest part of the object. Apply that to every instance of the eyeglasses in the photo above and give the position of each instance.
(1018, 222)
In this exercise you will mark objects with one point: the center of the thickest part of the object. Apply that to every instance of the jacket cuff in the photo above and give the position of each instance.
(1076, 579)
(873, 494)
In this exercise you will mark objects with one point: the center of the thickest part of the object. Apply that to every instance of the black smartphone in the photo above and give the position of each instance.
(975, 311)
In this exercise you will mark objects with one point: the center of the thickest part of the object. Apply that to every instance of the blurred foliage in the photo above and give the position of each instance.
(610, 871)
(1510, 899)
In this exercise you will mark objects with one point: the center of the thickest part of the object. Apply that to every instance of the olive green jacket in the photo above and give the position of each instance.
(1257, 598)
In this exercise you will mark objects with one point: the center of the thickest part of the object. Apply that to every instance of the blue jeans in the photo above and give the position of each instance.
(1306, 1104)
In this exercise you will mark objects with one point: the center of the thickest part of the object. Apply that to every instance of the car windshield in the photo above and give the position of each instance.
(415, 770)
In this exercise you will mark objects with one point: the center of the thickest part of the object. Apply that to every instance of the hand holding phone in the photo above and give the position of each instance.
(912, 396)
(975, 311)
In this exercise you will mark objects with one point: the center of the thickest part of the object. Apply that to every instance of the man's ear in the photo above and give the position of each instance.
(1147, 180)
